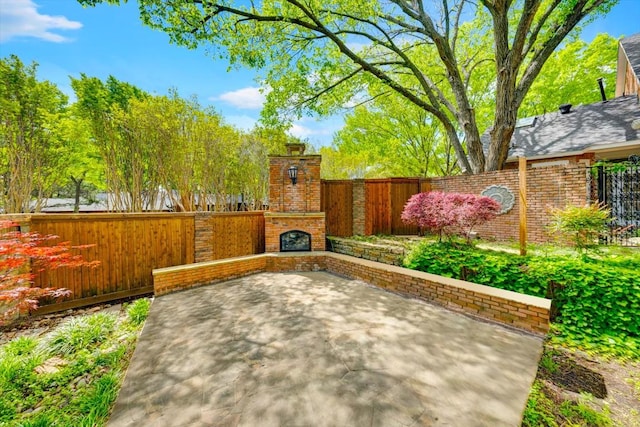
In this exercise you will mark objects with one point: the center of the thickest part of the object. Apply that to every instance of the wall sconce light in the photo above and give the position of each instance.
(293, 174)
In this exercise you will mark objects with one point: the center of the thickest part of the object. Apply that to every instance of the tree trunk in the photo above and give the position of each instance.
(77, 184)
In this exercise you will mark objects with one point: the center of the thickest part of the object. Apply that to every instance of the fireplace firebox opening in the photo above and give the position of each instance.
(295, 241)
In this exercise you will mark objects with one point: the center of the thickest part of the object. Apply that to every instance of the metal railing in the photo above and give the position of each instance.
(618, 188)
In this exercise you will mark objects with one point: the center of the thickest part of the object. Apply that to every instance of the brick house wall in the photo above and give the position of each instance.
(547, 188)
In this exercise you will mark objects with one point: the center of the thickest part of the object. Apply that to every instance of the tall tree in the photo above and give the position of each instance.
(30, 153)
(396, 139)
(570, 76)
(104, 105)
(81, 172)
(313, 55)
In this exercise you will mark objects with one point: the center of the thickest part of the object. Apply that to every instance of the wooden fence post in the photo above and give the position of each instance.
(522, 190)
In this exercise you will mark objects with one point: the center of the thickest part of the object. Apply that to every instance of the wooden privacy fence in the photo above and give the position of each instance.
(382, 205)
(384, 202)
(130, 245)
(336, 201)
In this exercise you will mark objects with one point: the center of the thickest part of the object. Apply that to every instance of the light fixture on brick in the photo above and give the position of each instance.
(293, 174)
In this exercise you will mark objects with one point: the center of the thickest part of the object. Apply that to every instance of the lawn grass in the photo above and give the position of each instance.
(70, 376)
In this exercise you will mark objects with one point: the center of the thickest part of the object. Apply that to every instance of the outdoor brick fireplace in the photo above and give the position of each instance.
(294, 221)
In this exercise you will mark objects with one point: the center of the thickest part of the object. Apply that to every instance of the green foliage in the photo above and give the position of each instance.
(595, 302)
(96, 402)
(583, 225)
(350, 49)
(31, 156)
(138, 311)
(548, 363)
(80, 333)
(492, 268)
(581, 412)
(80, 391)
(557, 83)
(389, 137)
(543, 411)
(539, 409)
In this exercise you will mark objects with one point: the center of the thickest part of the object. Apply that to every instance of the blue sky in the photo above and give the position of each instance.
(67, 39)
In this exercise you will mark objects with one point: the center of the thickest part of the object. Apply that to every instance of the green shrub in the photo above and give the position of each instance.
(542, 410)
(138, 311)
(595, 301)
(583, 225)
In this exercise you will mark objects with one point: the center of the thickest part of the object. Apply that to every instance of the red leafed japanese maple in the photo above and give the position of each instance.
(449, 213)
(22, 254)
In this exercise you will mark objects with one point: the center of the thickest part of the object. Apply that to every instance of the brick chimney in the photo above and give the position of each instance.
(294, 220)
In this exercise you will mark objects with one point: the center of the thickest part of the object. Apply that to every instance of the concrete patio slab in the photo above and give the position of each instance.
(314, 349)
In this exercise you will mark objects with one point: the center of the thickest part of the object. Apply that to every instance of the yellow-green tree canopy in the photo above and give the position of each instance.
(320, 54)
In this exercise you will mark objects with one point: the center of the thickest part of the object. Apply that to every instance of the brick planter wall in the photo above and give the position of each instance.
(506, 307)
(523, 312)
(172, 279)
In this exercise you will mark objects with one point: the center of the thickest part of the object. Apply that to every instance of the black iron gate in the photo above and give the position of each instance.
(619, 190)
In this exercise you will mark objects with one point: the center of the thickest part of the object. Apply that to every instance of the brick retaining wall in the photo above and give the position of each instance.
(172, 279)
(516, 310)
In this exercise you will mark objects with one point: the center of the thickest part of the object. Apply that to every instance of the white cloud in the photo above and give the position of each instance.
(248, 98)
(318, 130)
(300, 131)
(241, 122)
(20, 18)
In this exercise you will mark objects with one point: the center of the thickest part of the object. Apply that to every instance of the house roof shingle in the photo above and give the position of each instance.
(585, 127)
(631, 46)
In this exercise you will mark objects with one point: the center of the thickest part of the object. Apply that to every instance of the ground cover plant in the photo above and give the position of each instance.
(71, 375)
(595, 299)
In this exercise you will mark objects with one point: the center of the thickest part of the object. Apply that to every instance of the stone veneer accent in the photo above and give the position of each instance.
(386, 254)
(512, 309)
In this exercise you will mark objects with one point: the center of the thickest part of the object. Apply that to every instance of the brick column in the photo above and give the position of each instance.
(358, 206)
(203, 237)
